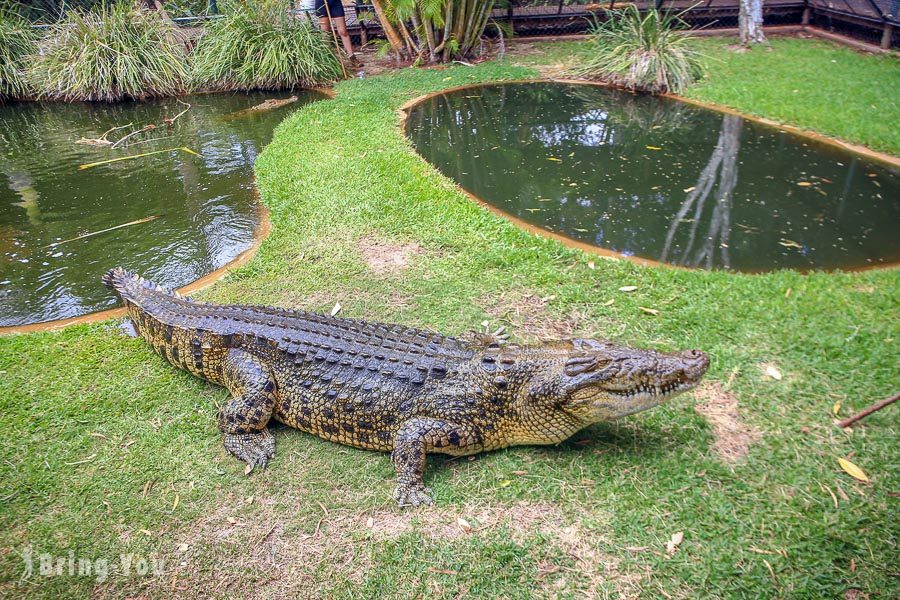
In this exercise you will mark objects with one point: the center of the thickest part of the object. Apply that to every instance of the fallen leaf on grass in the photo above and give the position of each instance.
(673, 543)
(442, 571)
(773, 372)
(591, 265)
(836, 408)
(177, 500)
(463, 523)
(247, 469)
(649, 311)
(336, 309)
(627, 288)
(853, 470)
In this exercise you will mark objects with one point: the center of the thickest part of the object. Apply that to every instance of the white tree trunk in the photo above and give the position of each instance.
(750, 21)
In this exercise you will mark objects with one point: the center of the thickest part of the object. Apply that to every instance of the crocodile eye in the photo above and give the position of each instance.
(580, 364)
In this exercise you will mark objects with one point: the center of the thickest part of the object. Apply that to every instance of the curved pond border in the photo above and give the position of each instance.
(262, 232)
(406, 108)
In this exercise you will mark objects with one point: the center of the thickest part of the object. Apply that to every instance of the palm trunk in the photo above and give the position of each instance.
(389, 32)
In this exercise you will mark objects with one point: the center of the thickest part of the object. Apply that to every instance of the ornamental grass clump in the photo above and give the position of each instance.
(17, 43)
(113, 52)
(260, 45)
(650, 52)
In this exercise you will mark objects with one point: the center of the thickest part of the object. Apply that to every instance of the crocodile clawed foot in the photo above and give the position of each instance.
(256, 449)
(500, 334)
(412, 494)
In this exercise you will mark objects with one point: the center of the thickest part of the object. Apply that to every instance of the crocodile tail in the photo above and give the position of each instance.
(131, 286)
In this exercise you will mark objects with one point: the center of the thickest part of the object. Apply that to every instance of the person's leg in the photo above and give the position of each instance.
(325, 24)
(345, 36)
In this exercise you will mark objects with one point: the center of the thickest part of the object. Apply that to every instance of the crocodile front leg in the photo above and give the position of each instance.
(415, 438)
(244, 417)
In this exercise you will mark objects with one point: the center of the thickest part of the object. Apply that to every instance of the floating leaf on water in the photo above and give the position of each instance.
(533, 210)
(554, 159)
(653, 148)
(627, 288)
(579, 229)
(789, 244)
(690, 189)
(804, 183)
(853, 470)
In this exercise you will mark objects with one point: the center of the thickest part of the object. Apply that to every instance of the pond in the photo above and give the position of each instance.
(660, 179)
(174, 215)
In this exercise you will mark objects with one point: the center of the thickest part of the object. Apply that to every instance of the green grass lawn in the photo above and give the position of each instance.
(108, 450)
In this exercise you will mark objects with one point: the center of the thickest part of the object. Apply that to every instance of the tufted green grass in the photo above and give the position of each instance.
(90, 416)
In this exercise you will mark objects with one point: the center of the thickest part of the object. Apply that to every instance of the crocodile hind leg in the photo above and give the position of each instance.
(414, 440)
(244, 416)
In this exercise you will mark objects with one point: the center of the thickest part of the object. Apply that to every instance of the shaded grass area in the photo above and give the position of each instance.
(812, 84)
(91, 416)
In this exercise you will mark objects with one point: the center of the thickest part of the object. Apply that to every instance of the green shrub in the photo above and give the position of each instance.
(259, 45)
(17, 42)
(113, 52)
(650, 52)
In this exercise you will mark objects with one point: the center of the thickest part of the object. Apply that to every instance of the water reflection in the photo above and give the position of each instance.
(206, 204)
(661, 179)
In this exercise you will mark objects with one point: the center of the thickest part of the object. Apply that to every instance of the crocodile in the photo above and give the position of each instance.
(392, 388)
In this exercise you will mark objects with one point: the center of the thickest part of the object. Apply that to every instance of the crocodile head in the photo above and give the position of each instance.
(601, 381)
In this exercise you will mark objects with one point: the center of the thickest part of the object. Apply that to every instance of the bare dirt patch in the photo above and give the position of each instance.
(530, 317)
(733, 437)
(385, 257)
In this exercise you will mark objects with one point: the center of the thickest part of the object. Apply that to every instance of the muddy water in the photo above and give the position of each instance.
(184, 215)
(662, 180)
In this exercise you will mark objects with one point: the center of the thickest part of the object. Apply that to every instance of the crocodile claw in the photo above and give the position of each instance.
(412, 495)
(255, 449)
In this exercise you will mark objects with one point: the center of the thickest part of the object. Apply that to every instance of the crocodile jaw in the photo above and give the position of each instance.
(640, 398)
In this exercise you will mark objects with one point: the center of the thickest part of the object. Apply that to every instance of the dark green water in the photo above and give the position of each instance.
(662, 180)
(206, 204)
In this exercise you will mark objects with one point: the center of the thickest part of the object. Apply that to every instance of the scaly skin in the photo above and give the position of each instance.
(392, 388)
